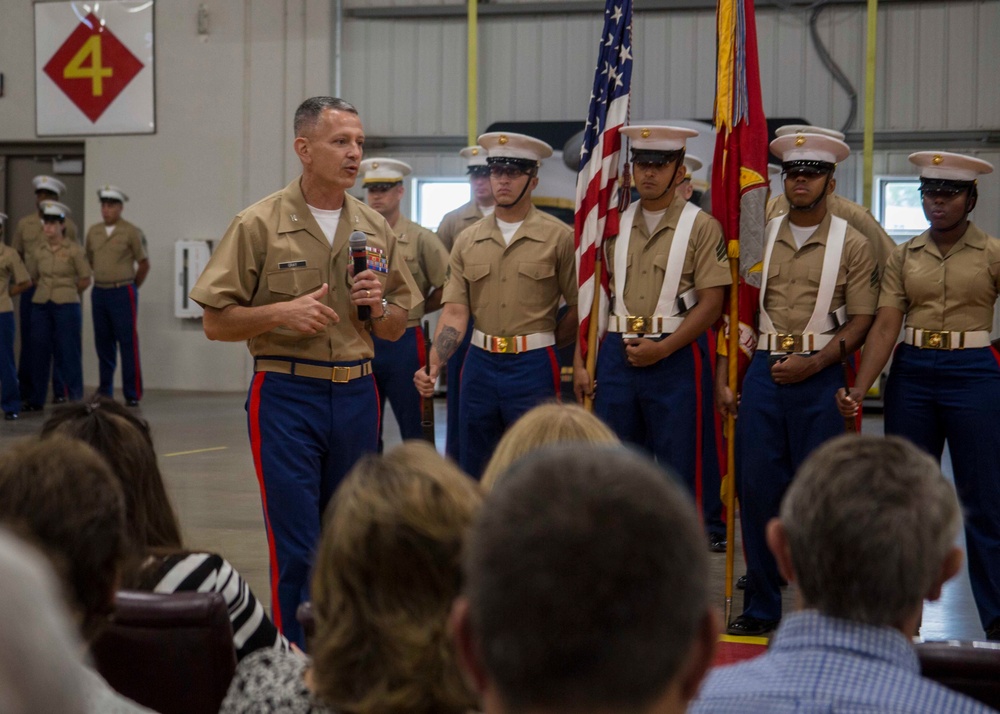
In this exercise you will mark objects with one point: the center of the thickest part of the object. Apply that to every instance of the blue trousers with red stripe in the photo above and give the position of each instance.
(305, 435)
(10, 393)
(56, 337)
(26, 363)
(114, 311)
(666, 408)
(778, 426)
(393, 366)
(934, 396)
(455, 362)
(496, 390)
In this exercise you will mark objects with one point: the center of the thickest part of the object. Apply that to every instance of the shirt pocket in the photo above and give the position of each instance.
(536, 283)
(293, 282)
(479, 292)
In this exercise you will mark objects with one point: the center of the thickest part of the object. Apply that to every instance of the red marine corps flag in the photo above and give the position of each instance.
(597, 181)
(739, 200)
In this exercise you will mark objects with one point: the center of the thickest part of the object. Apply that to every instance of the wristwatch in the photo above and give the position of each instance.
(385, 312)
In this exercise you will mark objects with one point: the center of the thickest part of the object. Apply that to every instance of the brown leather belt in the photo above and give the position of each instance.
(338, 375)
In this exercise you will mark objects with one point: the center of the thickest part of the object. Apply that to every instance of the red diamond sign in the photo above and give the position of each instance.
(92, 67)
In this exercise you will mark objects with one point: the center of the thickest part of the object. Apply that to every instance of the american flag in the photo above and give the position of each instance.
(597, 181)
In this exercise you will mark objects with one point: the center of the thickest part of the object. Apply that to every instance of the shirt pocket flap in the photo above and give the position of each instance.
(294, 282)
(477, 271)
(660, 261)
(537, 271)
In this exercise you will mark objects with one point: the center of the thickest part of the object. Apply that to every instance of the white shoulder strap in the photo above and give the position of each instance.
(666, 306)
(765, 324)
(819, 321)
(621, 256)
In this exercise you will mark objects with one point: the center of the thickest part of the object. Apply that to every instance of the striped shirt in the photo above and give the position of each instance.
(208, 572)
(818, 664)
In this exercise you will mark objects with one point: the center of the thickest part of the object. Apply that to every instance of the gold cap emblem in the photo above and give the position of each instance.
(800, 140)
(937, 159)
(503, 139)
(375, 164)
(475, 152)
(646, 133)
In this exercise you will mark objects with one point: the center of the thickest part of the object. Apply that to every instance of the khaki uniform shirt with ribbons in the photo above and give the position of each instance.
(794, 273)
(856, 215)
(425, 257)
(275, 251)
(454, 222)
(12, 272)
(514, 290)
(28, 234)
(954, 292)
(114, 257)
(56, 272)
(706, 264)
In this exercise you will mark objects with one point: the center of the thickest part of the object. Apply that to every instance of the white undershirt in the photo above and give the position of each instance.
(507, 230)
(109, 229)
(486, 210)
(328, 221)
(801, 233)
(653, 219)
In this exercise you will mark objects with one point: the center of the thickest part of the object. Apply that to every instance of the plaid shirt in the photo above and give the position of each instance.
(818, 664)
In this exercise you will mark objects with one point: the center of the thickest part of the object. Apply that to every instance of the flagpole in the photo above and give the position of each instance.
(869, 131)
(733, 365)
(595, 314)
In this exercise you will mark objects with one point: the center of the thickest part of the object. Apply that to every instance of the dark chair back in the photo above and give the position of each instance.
(172, 653)
(972, 668)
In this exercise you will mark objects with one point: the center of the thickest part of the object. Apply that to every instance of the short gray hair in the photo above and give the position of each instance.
(587, 579)
(310, 110)
(869, 522)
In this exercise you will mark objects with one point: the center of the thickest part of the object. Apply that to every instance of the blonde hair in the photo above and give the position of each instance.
(550, 423)
(387, 571)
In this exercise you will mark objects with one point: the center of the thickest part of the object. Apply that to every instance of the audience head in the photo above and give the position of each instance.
(59, 494)
(40, 667)
(586, 588)
(867, 530)
(124, 441)
(386, 574)
(551, 423)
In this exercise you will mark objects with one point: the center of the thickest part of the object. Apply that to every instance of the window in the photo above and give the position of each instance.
(898, 207)
(435, 197)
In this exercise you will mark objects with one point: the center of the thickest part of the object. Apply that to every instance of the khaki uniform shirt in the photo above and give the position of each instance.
(425, 257)
(706, 264)
(856, 215)
(952, 292)
(28, 234)
(454, 222)
(514, 290)
(275, 251)
(12, 272)
(114, 257)
(793, 277)
(57, 272)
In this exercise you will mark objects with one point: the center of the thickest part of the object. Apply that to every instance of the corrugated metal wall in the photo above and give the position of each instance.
(935, 66)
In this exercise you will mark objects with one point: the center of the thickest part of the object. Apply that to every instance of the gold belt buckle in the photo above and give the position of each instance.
(789, 343)
(637, 323)
(341, 375)
(935, 340)
(504, 345)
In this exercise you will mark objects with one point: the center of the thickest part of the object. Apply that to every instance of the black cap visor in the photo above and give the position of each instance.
(658, 158)
(944, 187)
(807, 167)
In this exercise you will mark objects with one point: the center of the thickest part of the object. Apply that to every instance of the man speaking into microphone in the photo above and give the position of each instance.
(285, 277)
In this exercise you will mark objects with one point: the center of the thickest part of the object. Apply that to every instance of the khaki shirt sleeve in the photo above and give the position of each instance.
(434, 259)
(17, 240)
(18, 269)
(861, 294)
(233, 271)
(446, 231)
(137, 242)
(456, 290)
(80, 263)
(709, 257)
(568, 285)
(892, 293)
(400, 288)
(31, 265)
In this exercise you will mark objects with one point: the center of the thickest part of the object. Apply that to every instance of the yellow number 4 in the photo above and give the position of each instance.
(95, 72)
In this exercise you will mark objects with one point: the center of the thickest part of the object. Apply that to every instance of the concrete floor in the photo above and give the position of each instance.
(205, 458)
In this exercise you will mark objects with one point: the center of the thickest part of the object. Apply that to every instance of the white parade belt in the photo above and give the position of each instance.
(945, 339)
(513, 344)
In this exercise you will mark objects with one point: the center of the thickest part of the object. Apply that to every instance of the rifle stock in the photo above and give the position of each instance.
(427, 403)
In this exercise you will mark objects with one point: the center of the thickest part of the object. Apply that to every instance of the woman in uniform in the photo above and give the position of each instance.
(61, 273)
(945, 380)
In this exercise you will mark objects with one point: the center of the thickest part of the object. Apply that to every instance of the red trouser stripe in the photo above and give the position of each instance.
(132, 302)
(556, 373)
(421, 359)
(255, 445)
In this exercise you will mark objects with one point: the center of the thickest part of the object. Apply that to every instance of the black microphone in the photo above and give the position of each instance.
(359, 253)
